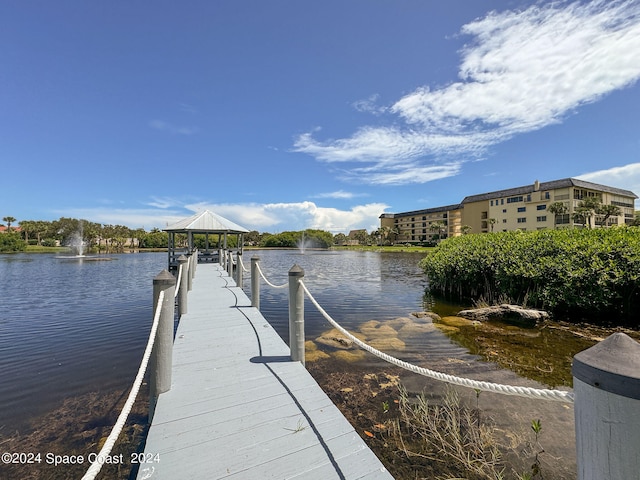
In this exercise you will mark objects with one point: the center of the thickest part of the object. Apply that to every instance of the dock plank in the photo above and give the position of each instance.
(239, 408)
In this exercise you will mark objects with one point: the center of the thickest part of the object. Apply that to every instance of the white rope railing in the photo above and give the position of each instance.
(541, 394)
(267, 281)
(178, 282)
(244, 269)
(96, 466)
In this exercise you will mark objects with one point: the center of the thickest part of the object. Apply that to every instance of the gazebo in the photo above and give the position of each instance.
(204, 223)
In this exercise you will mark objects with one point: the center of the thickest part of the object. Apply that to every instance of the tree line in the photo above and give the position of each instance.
(104, 238)
(95, 236)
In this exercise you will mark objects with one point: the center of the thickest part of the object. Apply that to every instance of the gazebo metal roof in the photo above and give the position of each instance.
(206, 222)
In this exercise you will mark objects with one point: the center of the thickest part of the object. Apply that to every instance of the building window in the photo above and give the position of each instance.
(504, 220)
(492, 203)
(547, 195)
(515, 199)
(542, 218)
(522, 209)
(504, 210)
(522, 219)
(541, 207)
(622, 204)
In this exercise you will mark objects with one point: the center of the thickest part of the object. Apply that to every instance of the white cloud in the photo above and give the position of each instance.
(272, 217)
(626, 177)
(521, 71)
(339, 194)
(526, 70)
(163, 202)
(276, 217)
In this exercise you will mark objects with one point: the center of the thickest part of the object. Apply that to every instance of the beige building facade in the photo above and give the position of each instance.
(522, 208)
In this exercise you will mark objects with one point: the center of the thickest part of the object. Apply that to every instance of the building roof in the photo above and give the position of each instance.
(206, 222)
(552, 185)
(446, 208)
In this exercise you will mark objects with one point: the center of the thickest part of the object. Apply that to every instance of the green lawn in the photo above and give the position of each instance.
(41, 249)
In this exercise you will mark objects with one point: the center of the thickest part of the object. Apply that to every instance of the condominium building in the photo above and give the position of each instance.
(422, 225)
(520, 208)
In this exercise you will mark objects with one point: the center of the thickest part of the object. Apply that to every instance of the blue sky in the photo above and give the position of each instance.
(286, 115)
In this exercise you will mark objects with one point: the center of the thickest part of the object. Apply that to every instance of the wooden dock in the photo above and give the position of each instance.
(239, 408)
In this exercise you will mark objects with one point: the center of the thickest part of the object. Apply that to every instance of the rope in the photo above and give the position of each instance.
(268, 282)
(245, 269)
(541, 394)
(178, 282)
(95, 467)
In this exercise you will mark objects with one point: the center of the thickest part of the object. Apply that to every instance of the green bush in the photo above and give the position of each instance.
(12, 242)
(586, 272)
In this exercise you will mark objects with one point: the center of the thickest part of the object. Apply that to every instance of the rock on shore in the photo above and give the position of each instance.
(507, 313)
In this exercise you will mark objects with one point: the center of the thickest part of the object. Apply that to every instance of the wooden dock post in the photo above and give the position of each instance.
(161, 361)
(184, 285)
(296, 314)
(230, 263)
(255, 282)
(190, 270)
(239, 269)
(606, 384)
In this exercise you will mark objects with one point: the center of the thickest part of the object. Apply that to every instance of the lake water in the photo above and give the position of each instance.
(71, 326)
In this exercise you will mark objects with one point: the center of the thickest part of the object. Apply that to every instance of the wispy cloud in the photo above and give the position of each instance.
(339, 194)
(163, 202)
(521, 71)
(369, 105)
(173, 129)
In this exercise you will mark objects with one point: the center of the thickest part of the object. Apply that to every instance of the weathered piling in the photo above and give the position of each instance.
(230, 263)
(183, 288)
(296, 314)
(606, 384)
(255, 282)
(239, 268)
(161, 360)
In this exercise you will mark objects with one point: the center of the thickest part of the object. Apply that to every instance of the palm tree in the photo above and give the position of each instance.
(437, 227)
(557, 209)
(492, 222)
(608, 211)
(9, 221)
(587, 209)
(466, 229)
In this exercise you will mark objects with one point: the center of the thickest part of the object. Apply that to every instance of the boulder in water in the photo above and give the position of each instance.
(506, 313)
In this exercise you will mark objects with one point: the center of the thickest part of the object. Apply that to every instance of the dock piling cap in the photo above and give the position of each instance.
(164, 277)
(612, 365)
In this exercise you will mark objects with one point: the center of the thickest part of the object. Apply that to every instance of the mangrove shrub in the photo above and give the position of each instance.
(580, 272)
